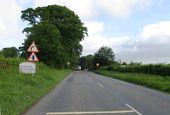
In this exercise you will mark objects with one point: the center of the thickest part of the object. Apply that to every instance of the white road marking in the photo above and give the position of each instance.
(92, 112)
(100, 84)
(133, 109)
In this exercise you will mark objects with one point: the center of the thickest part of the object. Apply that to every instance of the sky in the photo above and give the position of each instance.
(136, 30)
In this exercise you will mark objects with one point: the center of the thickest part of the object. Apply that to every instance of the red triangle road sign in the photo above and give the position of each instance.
(33, 48)
(33, 57)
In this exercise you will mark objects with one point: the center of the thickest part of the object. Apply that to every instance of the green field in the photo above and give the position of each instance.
(152, 81)
(18, 91)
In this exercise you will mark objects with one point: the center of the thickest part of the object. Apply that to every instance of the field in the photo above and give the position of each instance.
(152, 81)
(18, 91)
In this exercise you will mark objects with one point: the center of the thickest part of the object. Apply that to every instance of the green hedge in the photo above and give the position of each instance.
(156, 69)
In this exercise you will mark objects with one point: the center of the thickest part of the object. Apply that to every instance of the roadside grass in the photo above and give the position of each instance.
(151, 81)
(19, 91)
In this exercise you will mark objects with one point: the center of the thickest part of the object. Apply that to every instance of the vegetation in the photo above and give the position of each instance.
(19, 91)
(151, 81)
(1, 54)
(57, 31)
(156, 76)
(86, 62)
(104, 56)
(10, 52)
(156, 69)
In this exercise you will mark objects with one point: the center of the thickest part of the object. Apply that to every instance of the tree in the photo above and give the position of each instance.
(10, 52)
(104, 56)
(83, 62)
(1, 53)
(86, 62)
(89, 59)
(57, 31)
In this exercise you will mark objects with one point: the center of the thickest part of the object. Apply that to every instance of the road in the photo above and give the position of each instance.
(84, 93)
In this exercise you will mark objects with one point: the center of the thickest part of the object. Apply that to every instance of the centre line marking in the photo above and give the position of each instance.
(133, 109)
(92, 112)
(100, 84)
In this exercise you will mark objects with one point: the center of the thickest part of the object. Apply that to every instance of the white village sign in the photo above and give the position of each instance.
(27, 68)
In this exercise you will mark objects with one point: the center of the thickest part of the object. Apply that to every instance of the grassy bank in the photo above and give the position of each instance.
(152, 81)
(18, 91)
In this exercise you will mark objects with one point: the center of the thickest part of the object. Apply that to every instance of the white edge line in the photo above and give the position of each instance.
(133, 109)
(100, 84)
(92, 112)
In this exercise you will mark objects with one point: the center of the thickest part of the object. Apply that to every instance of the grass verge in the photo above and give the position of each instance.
(151, 81)
(18, 91)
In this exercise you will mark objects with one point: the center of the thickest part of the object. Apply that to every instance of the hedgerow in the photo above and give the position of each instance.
(156, 69)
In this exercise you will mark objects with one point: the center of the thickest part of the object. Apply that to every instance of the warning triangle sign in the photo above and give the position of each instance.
(33, 57)
(33, 48)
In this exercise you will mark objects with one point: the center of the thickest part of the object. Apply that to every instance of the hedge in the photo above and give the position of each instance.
(157, 69)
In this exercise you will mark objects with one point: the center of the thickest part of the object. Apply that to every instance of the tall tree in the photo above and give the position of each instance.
(57, 31)
(104, 56)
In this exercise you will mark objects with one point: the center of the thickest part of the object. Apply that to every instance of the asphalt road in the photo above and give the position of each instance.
(86, 93)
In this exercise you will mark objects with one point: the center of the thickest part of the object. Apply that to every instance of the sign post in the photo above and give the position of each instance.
(27, 68)
(30, 67)
(97, 65)
(68, 64)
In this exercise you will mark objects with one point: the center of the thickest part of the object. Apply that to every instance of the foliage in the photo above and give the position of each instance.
(57, 31)
(90, 59)
(157, 69)
(1, 54)
(19, 91)
(83, 62)
(151, 81)
(10, 52)
(104, 56)
(86, 62)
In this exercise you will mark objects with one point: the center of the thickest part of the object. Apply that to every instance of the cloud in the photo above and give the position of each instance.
(9, 23)
(156, 34)
(84, 8)
(92, 43)
(122, 8)
(94, 27)
(96, 39)
(151, 45)
(89, 9)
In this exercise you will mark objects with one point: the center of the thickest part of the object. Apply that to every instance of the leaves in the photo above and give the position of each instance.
(10, 52)
(57, 31)
(104, 56)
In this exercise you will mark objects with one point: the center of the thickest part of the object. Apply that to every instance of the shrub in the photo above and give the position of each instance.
(157, 69)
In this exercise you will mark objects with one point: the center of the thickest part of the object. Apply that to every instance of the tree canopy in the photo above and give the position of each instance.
(57, 31)
(104, 56)
(10, 52)
(86, 62)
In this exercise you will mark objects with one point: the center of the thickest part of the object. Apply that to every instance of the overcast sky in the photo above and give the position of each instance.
(136, 30)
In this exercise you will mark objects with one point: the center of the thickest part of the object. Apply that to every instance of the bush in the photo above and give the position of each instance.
(157, 69)
(110, 68)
